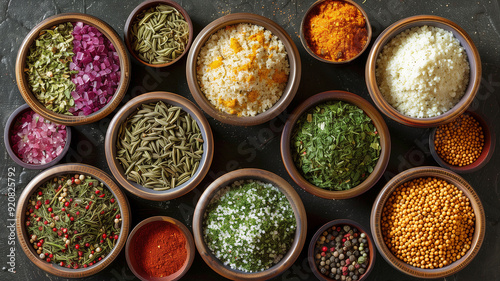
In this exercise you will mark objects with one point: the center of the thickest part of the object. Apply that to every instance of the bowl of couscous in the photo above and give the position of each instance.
(423, 71)
(243, 69)
(428, 222)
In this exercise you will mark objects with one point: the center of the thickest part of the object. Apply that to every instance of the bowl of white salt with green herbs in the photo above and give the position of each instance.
(249, 224)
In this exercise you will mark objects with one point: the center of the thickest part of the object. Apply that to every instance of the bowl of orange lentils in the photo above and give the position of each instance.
(464, 145)
(335, 31)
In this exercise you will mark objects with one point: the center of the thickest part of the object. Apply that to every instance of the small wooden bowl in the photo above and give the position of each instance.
(450, 177)
(144, 6)
(8, 143)
(62, 170)
(484, 157)
(305, 43)
(378, 121)
(400, 26)
(289, 91)
(112, 136)
(267, 177)
(70, 120)
(340, 222)
(132, 261)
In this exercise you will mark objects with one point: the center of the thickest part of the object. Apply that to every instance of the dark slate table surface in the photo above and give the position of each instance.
(258, 146)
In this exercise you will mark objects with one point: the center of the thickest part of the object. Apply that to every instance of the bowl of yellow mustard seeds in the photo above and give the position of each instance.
(464, 145)
(428, 222)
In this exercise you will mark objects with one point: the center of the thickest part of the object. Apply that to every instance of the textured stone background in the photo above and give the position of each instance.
(259, 146)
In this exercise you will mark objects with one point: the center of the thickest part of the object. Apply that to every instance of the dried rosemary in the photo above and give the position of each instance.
(73, 221)
(335, 145)
(159, 146)
(47, 68)
(159, 34)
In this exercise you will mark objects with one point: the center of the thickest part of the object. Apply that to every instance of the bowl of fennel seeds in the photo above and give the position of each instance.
(158, 32)
(159, 146)
(335, 145)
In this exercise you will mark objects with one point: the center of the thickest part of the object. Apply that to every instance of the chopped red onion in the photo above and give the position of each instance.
(98, 68)
(36, 140)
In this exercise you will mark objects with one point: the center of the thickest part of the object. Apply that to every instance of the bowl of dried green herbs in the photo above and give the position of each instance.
(159, 146)
(249, 224)
(72, 220)
(158, 33)
(335, 145)
(72, 69)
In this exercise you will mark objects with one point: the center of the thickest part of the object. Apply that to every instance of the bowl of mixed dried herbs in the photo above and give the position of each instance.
(335, 145)
(249, 224)
(72, 220)
(158, 33)
(72, 69)
(159, 146)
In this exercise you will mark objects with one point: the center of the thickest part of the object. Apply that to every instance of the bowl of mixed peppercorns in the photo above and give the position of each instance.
(428, 222)
(464, 145)
(341, 250)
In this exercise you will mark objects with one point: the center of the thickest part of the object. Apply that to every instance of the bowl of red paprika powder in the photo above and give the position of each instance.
(160, 248)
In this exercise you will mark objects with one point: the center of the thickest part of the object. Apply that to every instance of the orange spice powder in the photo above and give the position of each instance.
(335, 30)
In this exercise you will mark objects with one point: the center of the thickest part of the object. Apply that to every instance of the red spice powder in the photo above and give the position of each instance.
(160, 248)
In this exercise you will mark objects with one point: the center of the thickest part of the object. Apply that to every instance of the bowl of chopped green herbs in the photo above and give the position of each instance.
(72, 220)
(159, 146)
(335, 145)
(158, 33)
(72, 69)
(249, 224)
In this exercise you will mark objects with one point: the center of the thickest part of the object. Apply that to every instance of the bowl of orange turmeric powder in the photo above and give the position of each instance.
(335, 31)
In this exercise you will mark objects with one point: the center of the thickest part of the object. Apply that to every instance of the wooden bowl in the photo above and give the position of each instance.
(400, 26)
(112, 136)
(289, 91)
(378, 121)
(450, 177)
(132, 261)
(305, 43)
(144, 6)
(8, 142)
(484, 157)
(266, 177)
(371, 247)
(70, 120)
(62, 170)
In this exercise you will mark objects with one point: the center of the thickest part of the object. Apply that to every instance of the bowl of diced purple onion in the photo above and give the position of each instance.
(72, 69)
(34, 142)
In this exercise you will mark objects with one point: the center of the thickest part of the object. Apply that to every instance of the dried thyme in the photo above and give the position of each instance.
(47, 68)
(249, 226)
(160, 146)
(73, 221)
(335, 145)
(159, 34)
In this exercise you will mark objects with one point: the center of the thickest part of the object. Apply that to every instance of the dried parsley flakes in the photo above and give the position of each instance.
(249, 225)
(335, 145)
(47, 68)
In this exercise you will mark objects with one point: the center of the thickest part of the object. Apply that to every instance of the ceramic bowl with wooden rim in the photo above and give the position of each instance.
(59, 221)
(473, 60)
(355, 48)
(251, 93)
(217, 189)
(93, 75)
(131, 34)
(333, 191)
(471, 202)
(131, 247)
(173, 176)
